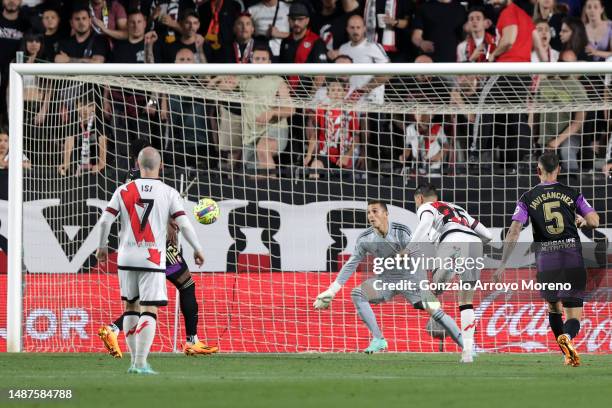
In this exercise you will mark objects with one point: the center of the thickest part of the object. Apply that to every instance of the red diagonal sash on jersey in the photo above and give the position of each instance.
(449, 214)
(131, 198)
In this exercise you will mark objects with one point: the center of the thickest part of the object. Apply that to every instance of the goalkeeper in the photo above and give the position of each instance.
(383, 240)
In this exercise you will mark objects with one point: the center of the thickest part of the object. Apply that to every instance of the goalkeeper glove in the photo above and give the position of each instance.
(325, 297)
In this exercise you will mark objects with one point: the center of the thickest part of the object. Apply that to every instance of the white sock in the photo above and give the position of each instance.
(145, 333)
(130, 324)
(468, 326)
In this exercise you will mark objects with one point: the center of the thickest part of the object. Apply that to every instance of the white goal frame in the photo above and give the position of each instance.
(16, 115)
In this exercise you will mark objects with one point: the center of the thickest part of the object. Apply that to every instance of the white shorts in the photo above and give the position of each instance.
(461, 246)
(149, 288)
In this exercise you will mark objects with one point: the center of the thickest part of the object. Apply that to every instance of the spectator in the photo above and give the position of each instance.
(438, 28)
(217, 19)
(109, 18)
(36, 103)
(544, 33)
(516, 35)
(271, 19)
(84, 46)
(163, 17)
(562, 130)
(321, 97)
(510, 132)
(90, 156)
(242, 47)
(329, 21)
(188, 143)
(425, 145)
(32, 47)
(385, 22)
(547, 10)
(229, 122)
(13, 25)
(573, 37)
(466, 92)
(132, 114)
(332, 141)
(62, 7)
(324, 16)
(425, 89)
(264, 121)
(598, 29)
(132, 49)
(4, 152)
(478, 44)
(360, 50)
(190, 24)
(574, 7)
(493, 9)
(302, 45)
(52, 34)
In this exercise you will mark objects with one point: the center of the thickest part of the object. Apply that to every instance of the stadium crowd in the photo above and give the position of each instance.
(320, 31)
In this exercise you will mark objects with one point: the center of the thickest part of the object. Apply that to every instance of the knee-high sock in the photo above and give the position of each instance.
(449, 325)
(189, 309)
(571, 327)
(365, 312)
(130, 322)
(556, 323)
(468, 325)
(145, 333)
(118, 323)
(555, 320)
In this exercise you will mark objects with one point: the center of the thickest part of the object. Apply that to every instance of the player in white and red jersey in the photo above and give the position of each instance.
(458, 237)
(145, 207)
(333, 143)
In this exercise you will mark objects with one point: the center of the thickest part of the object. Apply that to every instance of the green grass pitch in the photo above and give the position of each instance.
(313, 380)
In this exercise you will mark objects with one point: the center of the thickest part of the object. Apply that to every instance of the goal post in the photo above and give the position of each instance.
(262, 277)
(15, 218)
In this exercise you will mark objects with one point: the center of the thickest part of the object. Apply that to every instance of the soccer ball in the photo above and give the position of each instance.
(206, 211)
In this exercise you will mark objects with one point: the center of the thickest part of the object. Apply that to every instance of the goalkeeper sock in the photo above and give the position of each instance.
(189, 309)
(468, 325)
(365, 312)
(130, 319)
(145, 333)
(555, 320)
(449, 326)
(571, 327)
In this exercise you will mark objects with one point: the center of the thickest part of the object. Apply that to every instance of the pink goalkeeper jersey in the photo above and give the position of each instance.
(146, 206)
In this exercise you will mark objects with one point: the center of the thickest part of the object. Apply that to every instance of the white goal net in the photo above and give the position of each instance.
(292, 161)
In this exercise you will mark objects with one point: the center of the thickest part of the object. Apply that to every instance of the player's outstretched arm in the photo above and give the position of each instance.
(509, 244)
(483, 232)
(421, 234)
(191, 238)
(324, 298)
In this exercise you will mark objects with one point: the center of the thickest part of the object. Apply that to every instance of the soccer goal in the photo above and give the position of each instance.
(292, 154)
